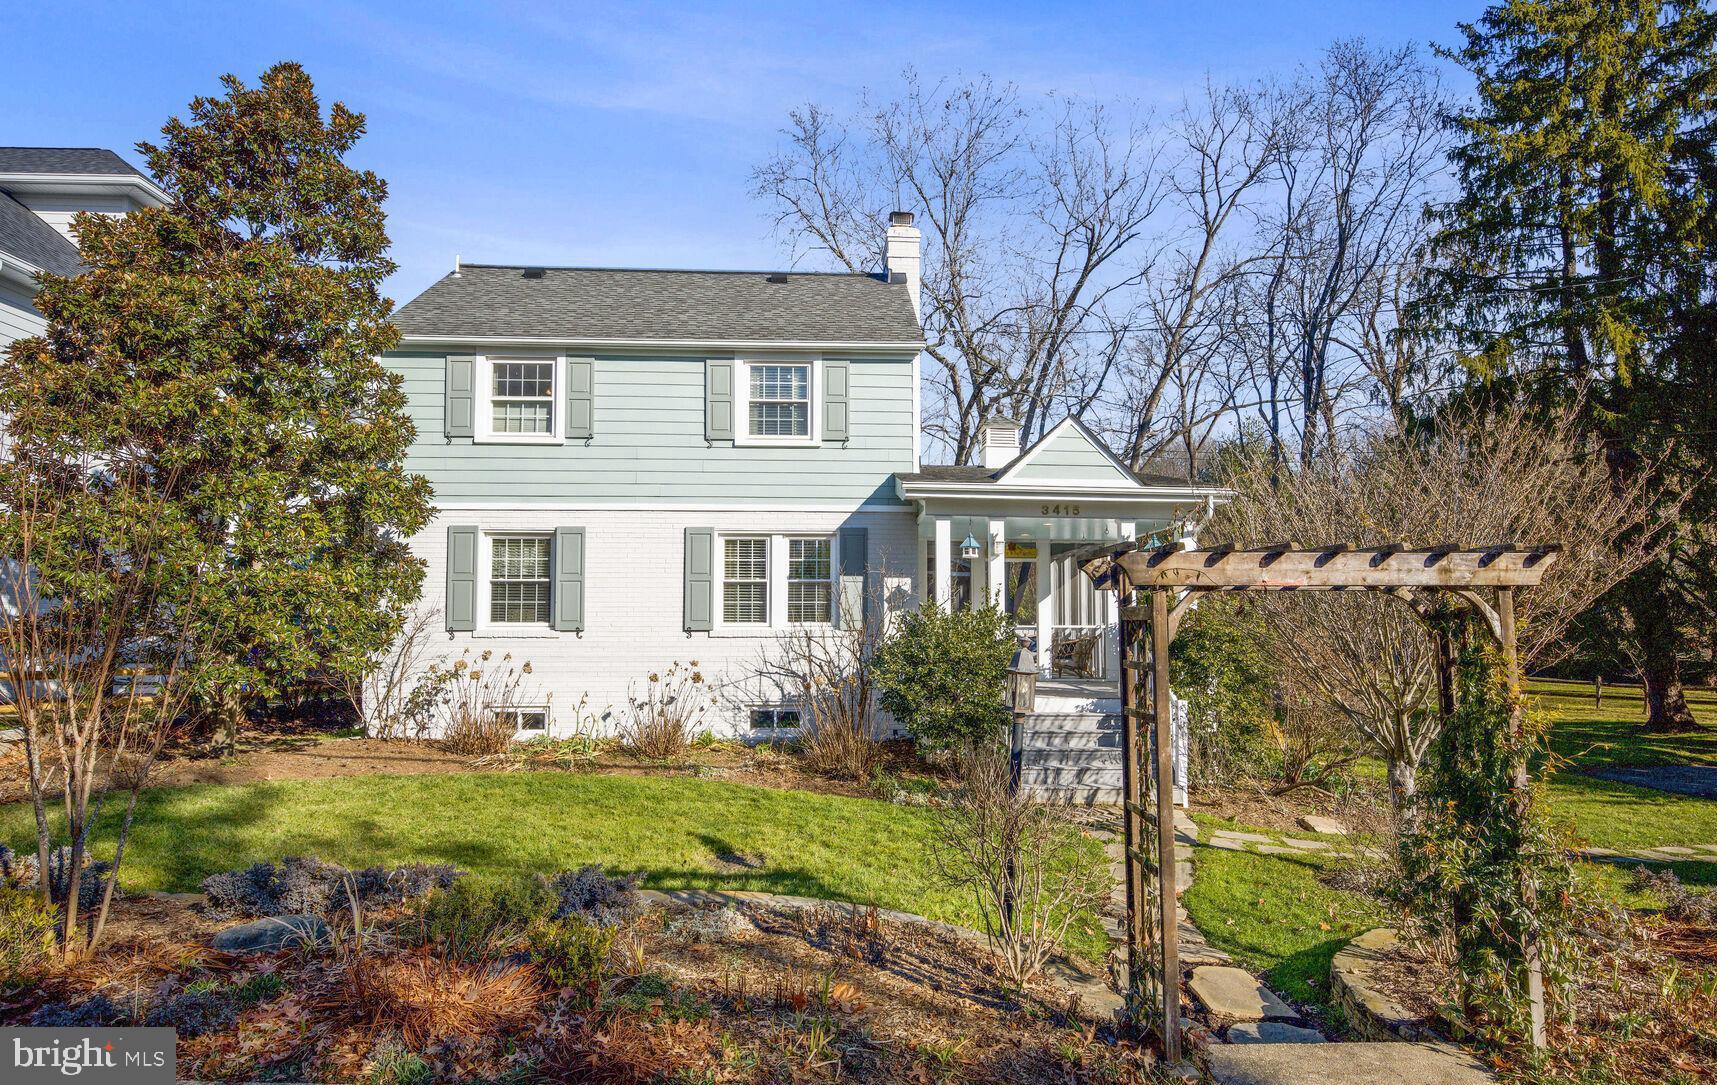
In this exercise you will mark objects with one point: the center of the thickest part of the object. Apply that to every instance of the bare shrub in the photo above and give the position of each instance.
(472, 698)
(829, 674)
(394, 693)
(667, 713)
(1026, 863)
(1512, 475)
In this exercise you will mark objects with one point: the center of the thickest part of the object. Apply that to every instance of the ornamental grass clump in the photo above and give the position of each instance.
(666, 712)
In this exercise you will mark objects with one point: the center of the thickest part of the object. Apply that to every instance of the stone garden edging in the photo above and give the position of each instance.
(1095, 997)
(1370, 1013)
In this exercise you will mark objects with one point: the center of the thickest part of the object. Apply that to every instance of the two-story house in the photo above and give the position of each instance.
(635, 467)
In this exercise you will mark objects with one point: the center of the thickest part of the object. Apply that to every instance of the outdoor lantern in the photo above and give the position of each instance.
(969, 549)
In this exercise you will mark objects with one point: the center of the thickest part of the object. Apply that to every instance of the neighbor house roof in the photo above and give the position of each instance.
(634, 304)
(74, 160)
(27, 237)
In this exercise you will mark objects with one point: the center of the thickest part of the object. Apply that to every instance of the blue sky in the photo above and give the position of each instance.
(577, 133)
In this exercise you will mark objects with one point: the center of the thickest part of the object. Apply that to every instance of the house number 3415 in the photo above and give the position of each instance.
(1060, 510)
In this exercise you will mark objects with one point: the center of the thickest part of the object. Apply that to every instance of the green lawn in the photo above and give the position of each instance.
(1586, 736)
(1272, 915)
(1599, 736)
(669, 830)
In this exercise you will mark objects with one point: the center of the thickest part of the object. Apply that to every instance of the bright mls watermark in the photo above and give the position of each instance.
(123, 1056)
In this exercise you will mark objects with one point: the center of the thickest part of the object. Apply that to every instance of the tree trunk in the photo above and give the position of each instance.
(229, 710)
(1659, 657)
(1403, 783)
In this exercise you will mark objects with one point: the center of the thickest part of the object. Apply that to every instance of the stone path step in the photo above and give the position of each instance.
(1344, 1064)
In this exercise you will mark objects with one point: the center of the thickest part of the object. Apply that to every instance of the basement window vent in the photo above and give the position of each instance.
(534, 273)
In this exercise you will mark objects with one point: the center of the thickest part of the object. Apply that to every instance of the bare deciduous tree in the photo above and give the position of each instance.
(1508, 476)
(1027, 215)
(1030, 869)
(92, 660)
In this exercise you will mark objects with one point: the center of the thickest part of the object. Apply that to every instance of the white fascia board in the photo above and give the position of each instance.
(693, 345)
(918, 491)
(142, 189)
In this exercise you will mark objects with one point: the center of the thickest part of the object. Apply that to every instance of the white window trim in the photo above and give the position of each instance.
(774, 706)
(486, 565)
(545, 709)
(777, 551)
(483, 434)
(742, 403)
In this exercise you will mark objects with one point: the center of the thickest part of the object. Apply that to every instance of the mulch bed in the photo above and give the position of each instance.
(789, 996)
(1646, 1012)
(293, 751)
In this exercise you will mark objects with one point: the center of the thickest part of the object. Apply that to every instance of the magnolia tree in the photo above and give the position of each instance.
(1468, 480)
(227, 347)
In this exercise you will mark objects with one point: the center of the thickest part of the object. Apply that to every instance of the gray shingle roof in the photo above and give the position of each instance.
(90, 160)
(24, 235)
(628, 303)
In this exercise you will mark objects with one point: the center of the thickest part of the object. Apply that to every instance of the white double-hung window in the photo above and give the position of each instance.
(519, 398)
(520, 581)
(780, 401)
(776, 580)
(809, 590)
(745, 581)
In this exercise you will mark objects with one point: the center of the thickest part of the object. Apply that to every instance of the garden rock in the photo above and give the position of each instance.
(1313, 823)
(1272, 1032)
(1236, 995)
(272, 934)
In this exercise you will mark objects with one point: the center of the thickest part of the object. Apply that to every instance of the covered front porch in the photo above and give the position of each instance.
(1005, 535)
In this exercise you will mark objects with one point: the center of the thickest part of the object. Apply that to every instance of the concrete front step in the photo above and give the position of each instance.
(1344, 1064)
(1054, 776)
(1074, 738)
(1072, 758)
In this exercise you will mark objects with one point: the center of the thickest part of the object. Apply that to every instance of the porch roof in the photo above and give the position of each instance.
(1070, 461)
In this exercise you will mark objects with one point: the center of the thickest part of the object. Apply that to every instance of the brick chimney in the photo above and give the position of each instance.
(903, 255)
(1000, 440)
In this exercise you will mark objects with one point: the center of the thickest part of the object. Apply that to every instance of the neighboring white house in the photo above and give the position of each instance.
(635, 467)
(41, 188)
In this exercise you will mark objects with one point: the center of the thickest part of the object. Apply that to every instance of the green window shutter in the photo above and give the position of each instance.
(580, 398)
(461, 407)
(855, 557)
(569, 579)
(461, 608)
(700, 579)
(718, 400)
(837, 411)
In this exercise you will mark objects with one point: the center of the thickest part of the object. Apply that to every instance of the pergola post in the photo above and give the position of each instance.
(1520, 800)
(1132, 797)
(1162, 722)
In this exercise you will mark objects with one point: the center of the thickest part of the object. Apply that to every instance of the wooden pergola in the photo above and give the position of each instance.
(1479, 580)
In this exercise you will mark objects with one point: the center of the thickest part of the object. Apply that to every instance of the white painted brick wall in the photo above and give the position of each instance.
(634, 584)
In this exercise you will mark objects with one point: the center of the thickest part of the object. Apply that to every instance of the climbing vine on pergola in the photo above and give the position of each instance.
(1156, 585)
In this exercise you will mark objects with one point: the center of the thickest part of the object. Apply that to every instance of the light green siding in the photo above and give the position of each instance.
(1072, 458)
(649, 443)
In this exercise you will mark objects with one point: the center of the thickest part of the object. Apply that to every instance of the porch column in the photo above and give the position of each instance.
(996, 578)
(941, 578)
(1045, 609)
(1111, 617)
